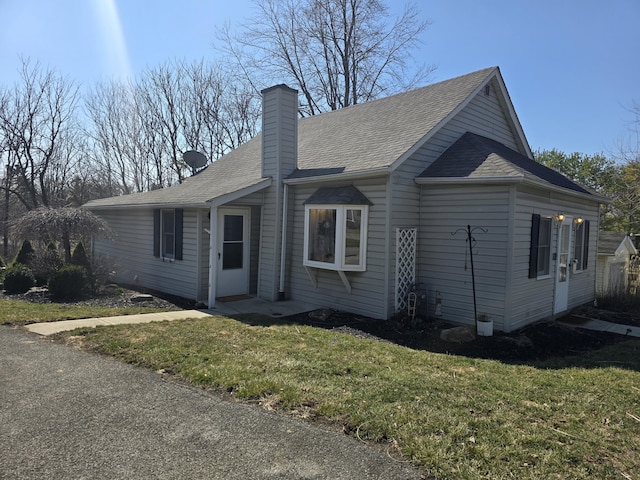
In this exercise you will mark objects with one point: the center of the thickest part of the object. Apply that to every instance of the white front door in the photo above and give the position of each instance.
(233, 252)
(563, 265)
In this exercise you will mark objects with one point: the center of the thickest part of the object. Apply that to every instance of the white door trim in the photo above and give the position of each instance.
(563, 265)
(233, 281)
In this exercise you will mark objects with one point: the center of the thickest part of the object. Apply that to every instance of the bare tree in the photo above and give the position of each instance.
(37, 121)
(39, 142)
(116, 131)
(336, 52)
(141, 130)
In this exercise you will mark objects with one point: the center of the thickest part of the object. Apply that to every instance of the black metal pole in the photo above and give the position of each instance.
(473, 275)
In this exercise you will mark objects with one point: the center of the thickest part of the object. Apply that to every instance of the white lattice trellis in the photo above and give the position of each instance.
(405, 264)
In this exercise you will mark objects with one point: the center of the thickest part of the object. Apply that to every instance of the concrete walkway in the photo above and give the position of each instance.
(49, 328)
(602, 326)
(248, 305)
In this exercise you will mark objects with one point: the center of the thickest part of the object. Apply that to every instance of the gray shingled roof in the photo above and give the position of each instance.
(474, 156)
(608, 242)
(355, 139)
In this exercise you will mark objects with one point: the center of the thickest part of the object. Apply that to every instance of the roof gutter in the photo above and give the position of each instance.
(217, 201)
(359, 175)
(508, 181)
(145, 205)
(470, 180)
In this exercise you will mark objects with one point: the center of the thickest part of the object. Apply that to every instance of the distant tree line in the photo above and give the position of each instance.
(616, 177)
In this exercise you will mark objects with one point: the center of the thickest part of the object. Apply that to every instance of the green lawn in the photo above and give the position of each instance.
(453, 417)
(17, 312)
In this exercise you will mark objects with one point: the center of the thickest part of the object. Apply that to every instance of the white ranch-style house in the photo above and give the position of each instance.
(349, 209)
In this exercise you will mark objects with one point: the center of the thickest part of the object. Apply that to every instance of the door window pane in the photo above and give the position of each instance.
(233, 226)
(564, 252)
(232, 256)
(233, 242)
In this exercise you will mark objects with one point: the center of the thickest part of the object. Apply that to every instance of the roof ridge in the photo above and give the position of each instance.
(393, 96)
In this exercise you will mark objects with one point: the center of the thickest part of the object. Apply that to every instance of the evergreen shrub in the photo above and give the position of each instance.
(25, 254)
(18, 278)
(68, 282)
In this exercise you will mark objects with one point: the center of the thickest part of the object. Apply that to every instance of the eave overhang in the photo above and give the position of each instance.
(212, 202)
(510, 180)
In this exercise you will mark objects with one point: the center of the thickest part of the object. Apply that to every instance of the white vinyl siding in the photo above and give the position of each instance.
(444, 259)
(483, 115)
(130, 254)
(367, 295)
(532, 299)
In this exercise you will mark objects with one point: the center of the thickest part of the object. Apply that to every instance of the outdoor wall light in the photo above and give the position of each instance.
(578, 220)
(560, 217)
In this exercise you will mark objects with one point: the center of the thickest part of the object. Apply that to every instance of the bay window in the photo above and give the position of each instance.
(335, 229)
(335, 237)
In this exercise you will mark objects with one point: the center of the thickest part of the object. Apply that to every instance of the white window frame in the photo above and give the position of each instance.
(580, 240)
(542, 273)
(163, 235)
(339, 262)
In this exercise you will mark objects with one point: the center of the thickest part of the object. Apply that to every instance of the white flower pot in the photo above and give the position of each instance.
(485, 328)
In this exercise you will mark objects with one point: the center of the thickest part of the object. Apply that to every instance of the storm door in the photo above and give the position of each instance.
(233, 252)
(563, 264)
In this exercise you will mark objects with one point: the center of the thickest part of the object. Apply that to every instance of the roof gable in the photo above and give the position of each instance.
(375, 134)
(474, 156)
(345, 195)
(614, 243)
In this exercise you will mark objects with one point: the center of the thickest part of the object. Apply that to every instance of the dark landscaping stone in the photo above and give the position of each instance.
(321, 314)
(521, 341)
(142, 297)
(457, 335)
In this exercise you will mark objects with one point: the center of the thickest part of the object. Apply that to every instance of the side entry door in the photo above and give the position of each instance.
(563, 265)
(233, 251)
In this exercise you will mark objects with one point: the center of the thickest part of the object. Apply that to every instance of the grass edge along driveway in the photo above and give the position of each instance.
(453, 417)
(18, 312)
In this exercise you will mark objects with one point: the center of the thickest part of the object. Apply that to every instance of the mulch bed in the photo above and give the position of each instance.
(534, 343)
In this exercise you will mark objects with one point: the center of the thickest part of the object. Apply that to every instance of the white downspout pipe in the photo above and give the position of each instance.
(283, 243)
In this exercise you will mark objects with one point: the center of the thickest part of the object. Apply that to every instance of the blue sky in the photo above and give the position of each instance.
(572, 67)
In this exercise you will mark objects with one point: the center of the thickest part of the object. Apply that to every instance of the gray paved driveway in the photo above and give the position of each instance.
(71, 414)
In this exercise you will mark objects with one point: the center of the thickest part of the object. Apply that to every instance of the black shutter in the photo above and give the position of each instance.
(178, 226)
(533, 253)
(585, 246)
(156, 232)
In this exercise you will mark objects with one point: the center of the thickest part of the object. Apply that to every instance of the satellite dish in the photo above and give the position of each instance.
(194, 159)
